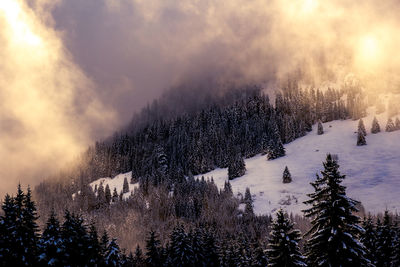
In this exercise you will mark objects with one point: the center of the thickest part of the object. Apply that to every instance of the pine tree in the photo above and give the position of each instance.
(51, 247)
(333, 235)
(236, 168)
(361, 127)
(8, 240)
(115, 196)
(375, 126)
(153, 253)
(287, 177)
(125, 188)
(283, 243)
(390, 127)
(211, 250)
(320, 128)
(361, 139)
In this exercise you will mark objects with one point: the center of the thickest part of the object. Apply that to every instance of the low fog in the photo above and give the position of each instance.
(74, 71)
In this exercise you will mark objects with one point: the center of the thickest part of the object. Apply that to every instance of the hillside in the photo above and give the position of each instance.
(371, 170)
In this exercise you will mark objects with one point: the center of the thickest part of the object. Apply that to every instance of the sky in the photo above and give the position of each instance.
(73, 71)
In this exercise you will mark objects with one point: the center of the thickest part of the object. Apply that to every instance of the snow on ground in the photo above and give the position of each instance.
(372, 171)
(116, 182)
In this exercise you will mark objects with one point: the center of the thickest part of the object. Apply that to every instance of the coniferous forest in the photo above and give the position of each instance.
(175, 219)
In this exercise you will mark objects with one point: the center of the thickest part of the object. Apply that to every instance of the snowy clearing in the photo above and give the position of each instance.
(372, 171)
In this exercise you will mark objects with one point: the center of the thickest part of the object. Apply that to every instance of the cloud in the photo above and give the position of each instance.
(73, 70)
(48, 108)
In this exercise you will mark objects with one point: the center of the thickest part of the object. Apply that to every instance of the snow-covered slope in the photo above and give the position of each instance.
(373, 171)
(116, 182)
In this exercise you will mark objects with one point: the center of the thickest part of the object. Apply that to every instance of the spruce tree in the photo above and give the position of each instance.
(211, 249)
(138, 259)
(112, 256)
(384, 246)
(236, 167)
(125, 188)
(397, 123)
(335, 229)
(8, 240)
(248, 201)
(390, 127)
(375, 126)
(361, 139)
(94, 248)
(107, 194)
(369, 239)
(181, 250)
(153, 251)
(320, 128)
(30, 229)
(287, 177)
(51, 247)
(283, 249)
(361, 127)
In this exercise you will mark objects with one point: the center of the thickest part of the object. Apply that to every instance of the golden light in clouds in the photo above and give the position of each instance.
(42, 126)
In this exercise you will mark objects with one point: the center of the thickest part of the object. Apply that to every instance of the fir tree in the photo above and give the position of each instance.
(287, 177)
(369, 238)
(320, 128)
(30, 236)
(361, 127)
(390, 127)
(375, 126)
(335, 229)
(112, 256)
(181, 250)
(211, 249)
(384, 246)
(51, 247)
(125, 188)
(236, 168)
(115, 196)
(361, 139)
(283, 243)
(248, 201)
(107, 194)
(94, 248)
(138, 259)
(154, 252)
(397, 123)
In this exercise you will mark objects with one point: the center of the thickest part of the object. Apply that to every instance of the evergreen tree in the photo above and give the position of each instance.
(75, 240)
(112, 256)
(94, 248)
(248, 201)
(320, 128)
(181, 250)
(107, 194)
(369, 239)
(138, 259)
(390, 127)
(397, 123)
(361, 139)
(115, 196)
(211, 250)
(51, 247)
(335, 229)
(283, 243)
(125, 188)
(275, 147)
(154, 251)
(361, 127)
(384, 246)
(287, 177)
(375, 126)
(236, 168)
(8, 238)
(30, 229)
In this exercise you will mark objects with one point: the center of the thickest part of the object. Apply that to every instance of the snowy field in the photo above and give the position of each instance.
(372, 171)
(117, 182)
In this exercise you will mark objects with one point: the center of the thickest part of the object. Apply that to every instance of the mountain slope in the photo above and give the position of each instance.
(371, 171)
